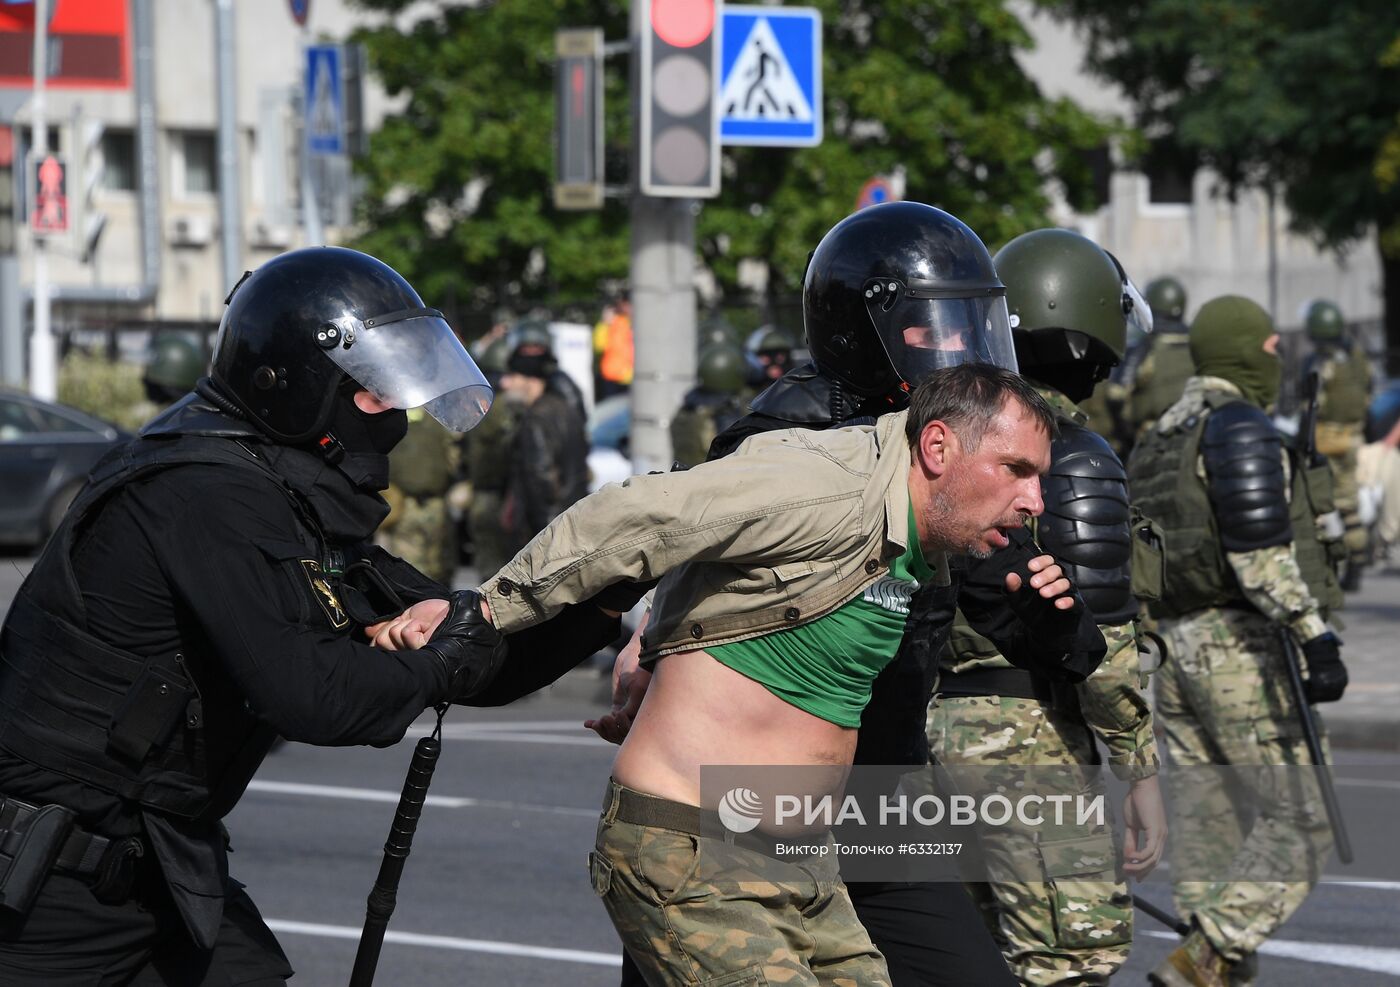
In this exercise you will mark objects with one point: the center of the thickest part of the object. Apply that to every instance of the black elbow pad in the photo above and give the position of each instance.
(1087, 524)
(1243, 454)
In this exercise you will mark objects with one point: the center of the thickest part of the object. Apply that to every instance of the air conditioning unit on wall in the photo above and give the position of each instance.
(264, 235)
(191, 231)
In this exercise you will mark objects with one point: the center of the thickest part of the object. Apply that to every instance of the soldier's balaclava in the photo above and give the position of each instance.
(1227, 340)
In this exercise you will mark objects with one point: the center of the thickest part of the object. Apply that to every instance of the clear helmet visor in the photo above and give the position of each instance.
(922, 334)
(1139, 313)
(411, 359)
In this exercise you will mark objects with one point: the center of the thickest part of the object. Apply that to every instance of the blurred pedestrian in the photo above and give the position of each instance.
(770, 355)
(422, 470)
(173, 366)
(1164, 363)
(612, 349)
(486, 459)
(715, 403)
(549, 449)
(1344, 391)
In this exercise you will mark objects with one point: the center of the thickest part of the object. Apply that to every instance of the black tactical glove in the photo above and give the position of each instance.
(1047, 630)
(470, 649)
(1327, 676)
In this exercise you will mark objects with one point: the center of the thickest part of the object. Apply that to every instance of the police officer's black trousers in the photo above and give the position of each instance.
(70, 939)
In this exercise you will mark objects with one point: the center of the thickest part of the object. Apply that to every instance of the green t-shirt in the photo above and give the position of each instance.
(827, 667)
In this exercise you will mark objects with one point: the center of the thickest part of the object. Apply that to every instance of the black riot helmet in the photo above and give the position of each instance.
(311, 326)
(898, 290)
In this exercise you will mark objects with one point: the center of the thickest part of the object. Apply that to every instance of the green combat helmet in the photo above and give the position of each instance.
(716, 330)
(1324, 321)
(175, 364)
(1167, 298)
(722, 369)
(1067, 301)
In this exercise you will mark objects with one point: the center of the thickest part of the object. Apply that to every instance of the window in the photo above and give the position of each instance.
(119, 161)
(1169, 170)
(196, 164)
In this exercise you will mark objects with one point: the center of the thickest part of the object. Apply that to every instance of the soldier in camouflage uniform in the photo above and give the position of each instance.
(486, 456)
(1055, 904)
(717, 402)
(1243, 564)
(1164, 362)
(422, 468)
(1344, 390)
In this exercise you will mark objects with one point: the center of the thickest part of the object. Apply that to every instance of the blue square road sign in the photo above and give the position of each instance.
(770, 88)
(324, 100)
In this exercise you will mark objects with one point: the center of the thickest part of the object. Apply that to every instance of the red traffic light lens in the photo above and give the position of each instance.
(683, 23)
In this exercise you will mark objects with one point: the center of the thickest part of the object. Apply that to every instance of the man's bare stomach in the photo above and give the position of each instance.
(699, 712)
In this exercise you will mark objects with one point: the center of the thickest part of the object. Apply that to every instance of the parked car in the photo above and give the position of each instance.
(46, 450)
(609, 431)
(1384, 410)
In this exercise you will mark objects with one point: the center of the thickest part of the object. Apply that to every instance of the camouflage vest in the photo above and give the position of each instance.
(1171, 366)
(488, 449)
(1344, 390)
(1165, 486)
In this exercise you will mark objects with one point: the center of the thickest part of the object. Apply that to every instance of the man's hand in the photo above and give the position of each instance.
(1144, 828)
(1327, 676)
(411, 629)
(629, 686)
(1047, 579)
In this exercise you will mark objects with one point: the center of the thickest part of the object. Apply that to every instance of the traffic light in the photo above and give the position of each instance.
(93, 164)
(578, 119)
(678, 120)
(7, 189)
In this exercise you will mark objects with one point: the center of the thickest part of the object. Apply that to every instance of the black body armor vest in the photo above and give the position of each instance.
(127, 724)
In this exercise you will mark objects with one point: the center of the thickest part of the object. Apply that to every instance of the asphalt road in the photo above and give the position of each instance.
(496, 890)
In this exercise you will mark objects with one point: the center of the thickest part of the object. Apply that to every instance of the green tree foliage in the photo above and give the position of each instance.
(459, 181)
(1303, 96)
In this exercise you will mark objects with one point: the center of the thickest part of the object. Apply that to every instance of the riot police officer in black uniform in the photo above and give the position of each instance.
(207, 591)
(892, 293)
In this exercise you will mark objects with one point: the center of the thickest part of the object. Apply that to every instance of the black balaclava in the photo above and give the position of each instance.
(342, 473)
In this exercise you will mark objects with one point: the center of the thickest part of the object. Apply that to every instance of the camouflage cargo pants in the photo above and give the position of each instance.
(1341, 443)
(1056, 906)
(1222, 698)
(695, 910)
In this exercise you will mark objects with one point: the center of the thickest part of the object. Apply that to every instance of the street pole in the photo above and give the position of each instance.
(230, 212)
(663, 303)
(43, 355)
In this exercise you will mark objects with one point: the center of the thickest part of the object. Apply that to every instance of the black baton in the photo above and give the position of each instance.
(384, 895)
(1324, 773)
(1173, 922)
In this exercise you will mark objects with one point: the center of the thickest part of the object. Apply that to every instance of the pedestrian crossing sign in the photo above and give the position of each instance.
(770, 90)
(324, 102)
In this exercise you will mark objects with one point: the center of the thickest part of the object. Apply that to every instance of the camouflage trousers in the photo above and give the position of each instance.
(695, 910)
(1055, 905)
(1222, 699)
(423, 535)
(1341, 444)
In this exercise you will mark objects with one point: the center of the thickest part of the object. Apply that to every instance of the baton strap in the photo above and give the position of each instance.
(1016, 683)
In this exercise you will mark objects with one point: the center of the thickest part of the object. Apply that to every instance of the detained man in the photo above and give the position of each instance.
(765, 637)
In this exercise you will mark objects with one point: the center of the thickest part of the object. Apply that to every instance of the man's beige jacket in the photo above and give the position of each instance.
(785, 529)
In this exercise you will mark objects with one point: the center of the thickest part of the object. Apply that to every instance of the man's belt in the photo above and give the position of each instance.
(640, 809)
(1017, 683)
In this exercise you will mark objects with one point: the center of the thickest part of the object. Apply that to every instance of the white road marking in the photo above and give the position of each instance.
(381, 795)
(1363, 783)
(450, 942)
(570, 733)
(1377, 959)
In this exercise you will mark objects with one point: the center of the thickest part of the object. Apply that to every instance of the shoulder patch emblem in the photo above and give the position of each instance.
(321, 589)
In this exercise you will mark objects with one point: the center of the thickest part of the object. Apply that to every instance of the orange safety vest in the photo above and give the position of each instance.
(616, 363)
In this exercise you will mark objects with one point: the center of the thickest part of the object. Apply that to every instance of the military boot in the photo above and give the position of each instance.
(1246, 972)
(1195, 963)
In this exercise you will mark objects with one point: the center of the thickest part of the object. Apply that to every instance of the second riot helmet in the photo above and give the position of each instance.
(898, 290)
